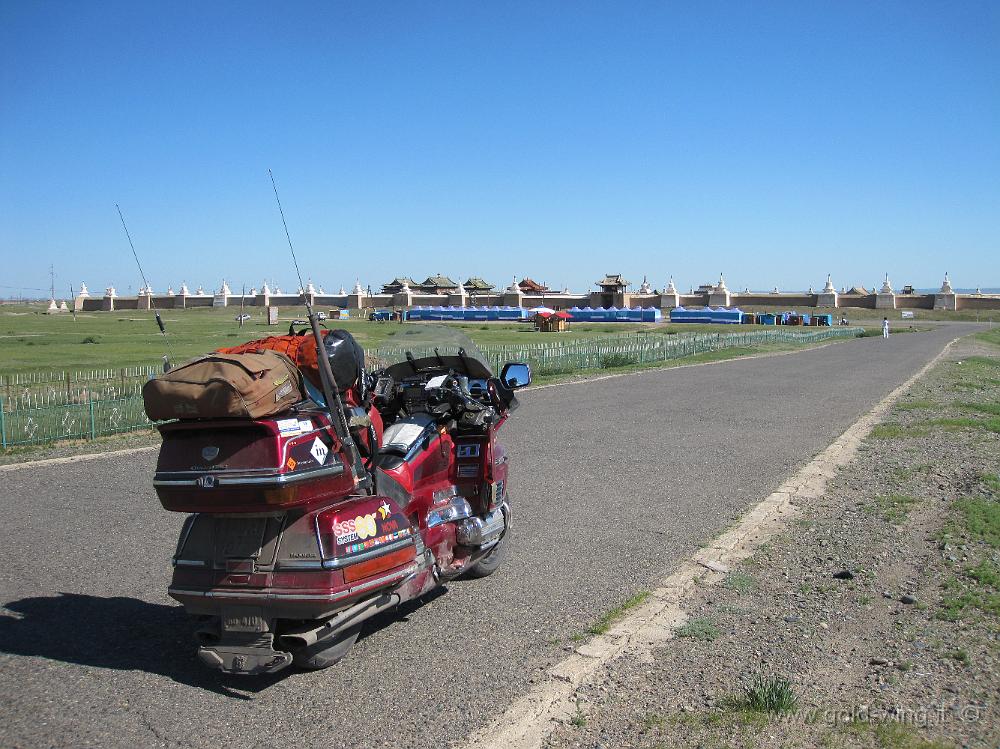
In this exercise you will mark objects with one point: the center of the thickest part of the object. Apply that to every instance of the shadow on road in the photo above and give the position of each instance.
(132, 635)
(118, 633)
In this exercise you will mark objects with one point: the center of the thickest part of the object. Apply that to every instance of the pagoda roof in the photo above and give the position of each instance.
(478, 283)
(527, 284)
(613, 279)
(440, 282)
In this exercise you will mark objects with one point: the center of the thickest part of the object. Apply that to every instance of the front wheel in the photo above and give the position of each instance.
(494, 558)
(325, 653)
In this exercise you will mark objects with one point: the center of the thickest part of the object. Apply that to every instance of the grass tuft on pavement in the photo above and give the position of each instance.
(766, 694)
(699, 629)
(603, 624)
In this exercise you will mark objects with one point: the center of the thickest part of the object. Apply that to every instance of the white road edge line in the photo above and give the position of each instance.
(531, 718)
(133, 451)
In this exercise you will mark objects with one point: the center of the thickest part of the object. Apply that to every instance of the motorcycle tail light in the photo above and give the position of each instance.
(284, 495)
(361, 570)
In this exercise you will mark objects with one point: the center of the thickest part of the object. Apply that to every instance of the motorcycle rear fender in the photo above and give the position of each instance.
(304, 565)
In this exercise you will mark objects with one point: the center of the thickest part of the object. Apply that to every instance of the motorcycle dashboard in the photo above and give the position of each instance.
(413, 390)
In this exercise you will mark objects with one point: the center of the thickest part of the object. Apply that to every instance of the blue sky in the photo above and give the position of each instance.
(775, 142)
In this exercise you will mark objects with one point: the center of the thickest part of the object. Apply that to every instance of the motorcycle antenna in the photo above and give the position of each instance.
(146, 286)
(331, 393)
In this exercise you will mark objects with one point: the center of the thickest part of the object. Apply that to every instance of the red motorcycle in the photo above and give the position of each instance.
(308, 522)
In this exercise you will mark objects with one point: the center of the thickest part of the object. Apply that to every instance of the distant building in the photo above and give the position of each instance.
(613, 289)
(395, 285)
(528, 286)
(438, 285)
(476, 285)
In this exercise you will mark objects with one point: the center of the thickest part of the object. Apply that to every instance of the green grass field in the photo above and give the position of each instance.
(32, 341)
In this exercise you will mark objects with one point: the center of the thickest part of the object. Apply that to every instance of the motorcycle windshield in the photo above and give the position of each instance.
(431, 347)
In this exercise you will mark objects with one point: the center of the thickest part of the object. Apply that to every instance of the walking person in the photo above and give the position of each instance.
(885, 327)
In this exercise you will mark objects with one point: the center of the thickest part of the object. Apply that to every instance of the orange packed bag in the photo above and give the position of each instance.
(347, 358)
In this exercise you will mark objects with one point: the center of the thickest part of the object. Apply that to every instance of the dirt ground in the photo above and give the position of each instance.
(873, 620)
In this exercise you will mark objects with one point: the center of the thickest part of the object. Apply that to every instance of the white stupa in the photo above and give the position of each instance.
(185, 291)
(200, 291)
(310, 289)
(829, 288)
(645, 288)
(946, 285)
(110, 292)
(225, 290)
(886, 286)
(343, 291)
(264, 289)
(146, 290)
(357, 290)
(83, 289)
(170, 291)
(722, 284)
(514, 288)
(63, 307)
(671, 289)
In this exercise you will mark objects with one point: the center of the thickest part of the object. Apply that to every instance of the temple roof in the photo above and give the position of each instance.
(478, 284)
(527, 284)
(613, 279)
(440, 282)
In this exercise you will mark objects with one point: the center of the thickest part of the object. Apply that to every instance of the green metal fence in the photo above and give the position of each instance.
(40, 407)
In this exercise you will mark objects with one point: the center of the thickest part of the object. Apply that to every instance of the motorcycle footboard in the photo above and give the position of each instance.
(249, 655)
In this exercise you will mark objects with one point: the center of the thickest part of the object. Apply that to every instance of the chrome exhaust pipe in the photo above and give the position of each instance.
(480, 531)
(347, 618)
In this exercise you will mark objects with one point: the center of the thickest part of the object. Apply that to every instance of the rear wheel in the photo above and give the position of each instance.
(326, 652)
(494, 558)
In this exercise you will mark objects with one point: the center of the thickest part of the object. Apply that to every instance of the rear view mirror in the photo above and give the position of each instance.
(515, 375)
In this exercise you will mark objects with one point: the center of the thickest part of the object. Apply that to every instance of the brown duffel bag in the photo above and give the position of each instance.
(248, 385)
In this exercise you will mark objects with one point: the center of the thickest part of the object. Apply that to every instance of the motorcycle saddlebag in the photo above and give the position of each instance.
(250, 385)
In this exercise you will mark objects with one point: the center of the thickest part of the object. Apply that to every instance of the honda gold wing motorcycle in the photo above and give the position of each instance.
(305, 523)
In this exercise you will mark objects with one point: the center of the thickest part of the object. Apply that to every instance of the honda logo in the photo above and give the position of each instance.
(207, 482)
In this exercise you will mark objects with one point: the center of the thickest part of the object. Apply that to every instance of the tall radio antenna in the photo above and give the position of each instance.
(331, 393)
(146, 287)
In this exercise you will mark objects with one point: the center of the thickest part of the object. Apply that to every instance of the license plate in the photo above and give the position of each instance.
(244, 620)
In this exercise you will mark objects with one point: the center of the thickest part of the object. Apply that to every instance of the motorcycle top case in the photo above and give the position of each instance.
(244, 465)
(249, 385)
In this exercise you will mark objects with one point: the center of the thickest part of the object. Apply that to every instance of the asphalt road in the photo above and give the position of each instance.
(614, 482)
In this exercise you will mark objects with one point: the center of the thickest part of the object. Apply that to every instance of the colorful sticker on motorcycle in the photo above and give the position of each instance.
(369, 530)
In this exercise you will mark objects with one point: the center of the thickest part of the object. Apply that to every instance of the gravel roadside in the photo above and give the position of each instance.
(873, 620)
